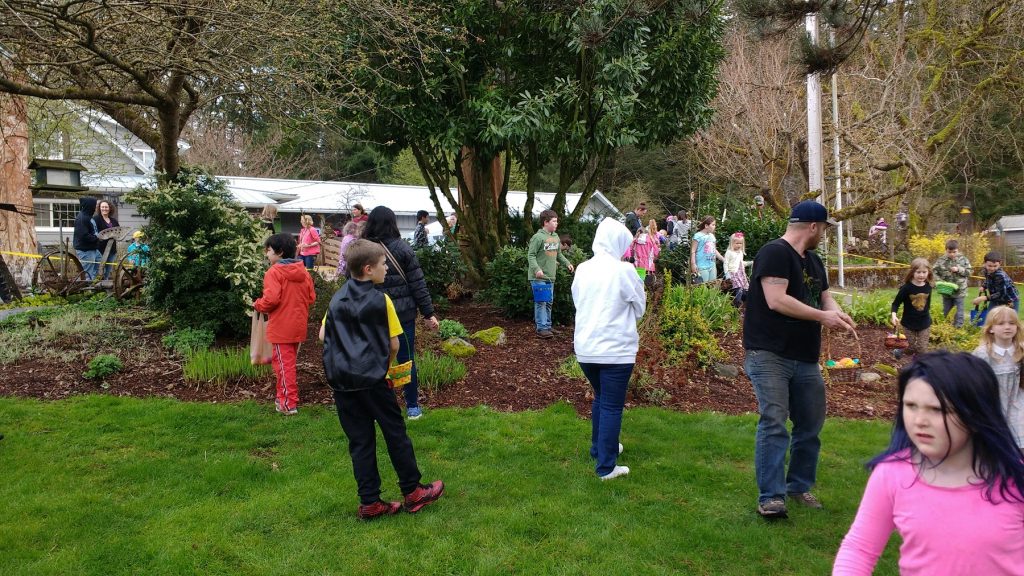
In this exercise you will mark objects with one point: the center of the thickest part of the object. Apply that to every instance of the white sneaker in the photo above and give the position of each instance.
(616, 472)
(620, 447)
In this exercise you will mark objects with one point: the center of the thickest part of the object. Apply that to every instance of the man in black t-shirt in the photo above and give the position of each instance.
(787, 304)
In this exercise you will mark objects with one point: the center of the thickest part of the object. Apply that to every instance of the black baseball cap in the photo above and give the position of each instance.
(810, 211)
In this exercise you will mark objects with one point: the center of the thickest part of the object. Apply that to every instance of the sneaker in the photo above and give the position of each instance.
(545, 334)
(414, 412)
(378, 509)
(289, 412)
(423, 494)
(615, 473)
(620, 447)
(807, 499)
(773, 508)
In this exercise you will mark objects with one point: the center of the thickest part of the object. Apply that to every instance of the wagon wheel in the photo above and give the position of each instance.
(128, 279)
(59, 272)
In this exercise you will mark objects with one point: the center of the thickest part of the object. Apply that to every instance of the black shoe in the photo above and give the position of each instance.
(772, 508)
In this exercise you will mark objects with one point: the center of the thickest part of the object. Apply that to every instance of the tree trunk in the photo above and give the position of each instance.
(480, 201)
(17, 229)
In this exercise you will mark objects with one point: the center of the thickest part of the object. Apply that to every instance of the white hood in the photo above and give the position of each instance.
(609, 298)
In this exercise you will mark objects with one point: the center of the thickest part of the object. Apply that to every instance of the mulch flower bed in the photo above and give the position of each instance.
(521, 375)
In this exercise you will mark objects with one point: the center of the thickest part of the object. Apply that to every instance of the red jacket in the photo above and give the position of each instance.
(287, 294)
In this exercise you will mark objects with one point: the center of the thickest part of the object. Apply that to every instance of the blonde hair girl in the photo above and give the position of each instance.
(734, 270)
(916, 298)
(309, 241)
(1002, 346)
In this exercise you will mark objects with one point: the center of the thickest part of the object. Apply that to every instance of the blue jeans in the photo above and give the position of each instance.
(309, 261)
(406, 352)
(110, 264)
(786, 389)
(708, 274)
(947, 304)
(90, 260)
(541, 310)
(609, 382)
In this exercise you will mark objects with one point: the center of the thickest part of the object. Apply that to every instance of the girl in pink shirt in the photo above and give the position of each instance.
(950, 481)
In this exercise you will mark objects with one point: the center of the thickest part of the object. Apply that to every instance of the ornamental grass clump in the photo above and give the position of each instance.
(435, 371)
(221, 365)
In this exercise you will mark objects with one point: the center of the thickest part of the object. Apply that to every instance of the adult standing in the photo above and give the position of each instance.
(680, 235)
(704, 254)
(268, 218)
(359, 214)
(543, 255)
(635, 218)
(105, 218)
(419, 236)
(609, 298)
(309, 242)
(953, 267)
(405, 285)
(85, 241)
(787, 305)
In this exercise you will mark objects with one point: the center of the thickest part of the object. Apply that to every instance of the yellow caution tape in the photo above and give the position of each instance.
(902, 265)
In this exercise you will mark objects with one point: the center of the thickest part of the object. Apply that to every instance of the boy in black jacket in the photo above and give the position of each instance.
(360, 334)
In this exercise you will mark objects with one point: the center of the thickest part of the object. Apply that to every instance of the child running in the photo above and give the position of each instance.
(644, 249)
(916, 298)
(734, 269)
(360, 334)
(1003, 348)
(949, 482)
(287, 294)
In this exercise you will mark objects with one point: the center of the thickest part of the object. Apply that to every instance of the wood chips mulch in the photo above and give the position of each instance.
(521, 375)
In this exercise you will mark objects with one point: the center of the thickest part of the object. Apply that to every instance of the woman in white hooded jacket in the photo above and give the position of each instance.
(609, 298)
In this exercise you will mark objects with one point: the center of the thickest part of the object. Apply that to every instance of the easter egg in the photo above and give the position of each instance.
(830, 364)
(856, 360)
(903, 336)
(846, 361)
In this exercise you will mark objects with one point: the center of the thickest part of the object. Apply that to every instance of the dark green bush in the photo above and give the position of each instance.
(508, 287)
(676, 260)
(580, 231)
(188, 341)
(325, 290)
(442, 265)
(102, 366)
(207, 252)
(452, 329)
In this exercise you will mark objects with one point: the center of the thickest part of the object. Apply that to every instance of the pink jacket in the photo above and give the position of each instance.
(644, 250)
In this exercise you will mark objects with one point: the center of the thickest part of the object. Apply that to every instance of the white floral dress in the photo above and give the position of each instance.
(1010, 393)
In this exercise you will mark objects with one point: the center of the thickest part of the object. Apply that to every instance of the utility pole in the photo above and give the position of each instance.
(815, 177)
(841, 280)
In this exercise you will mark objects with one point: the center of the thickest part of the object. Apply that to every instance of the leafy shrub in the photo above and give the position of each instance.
(645, 389)
(715, 305)
(944, 336)
(35, 301)
(207, 257)
(435, 371)
(581, 232)
(871, 308)
(442, 266)
(931, 247)
(102, 366)
(452, 329)
(740, 217)
(508, 288)
(188, 341)
(221, 366)
(676, 261)
(325, 290)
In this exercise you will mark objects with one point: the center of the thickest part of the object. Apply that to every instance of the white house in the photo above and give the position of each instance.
(1011, 230)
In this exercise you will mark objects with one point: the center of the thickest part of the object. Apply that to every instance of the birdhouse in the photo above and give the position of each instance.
(57, 176)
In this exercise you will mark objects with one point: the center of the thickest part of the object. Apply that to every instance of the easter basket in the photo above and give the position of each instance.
(946, 288)
(400, 373)
(897, 340)
(844, 370)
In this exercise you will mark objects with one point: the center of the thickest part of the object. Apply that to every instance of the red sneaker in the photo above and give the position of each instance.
(378, 509)
(423, 494)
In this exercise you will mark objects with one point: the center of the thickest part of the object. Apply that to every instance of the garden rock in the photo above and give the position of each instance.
(869, 377)
(458, 348)
(726, 370)
(494, 336)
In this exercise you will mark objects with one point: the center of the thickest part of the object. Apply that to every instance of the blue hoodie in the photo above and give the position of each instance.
(85, 232)
(609, 298)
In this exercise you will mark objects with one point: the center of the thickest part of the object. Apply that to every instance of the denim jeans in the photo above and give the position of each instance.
(406, 352)
(541, 310)
(90, 262)
(110, 264)
(309, 261)
(609, 382)
(947, 304)
(708, 274)
(786, 389)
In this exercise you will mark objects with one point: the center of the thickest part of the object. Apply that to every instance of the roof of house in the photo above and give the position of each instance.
(1013, 223)
(316, 196)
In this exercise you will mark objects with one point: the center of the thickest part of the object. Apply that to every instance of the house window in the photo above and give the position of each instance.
(55, 214)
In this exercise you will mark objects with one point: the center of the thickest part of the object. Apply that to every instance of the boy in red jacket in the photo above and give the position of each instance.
(287, 294)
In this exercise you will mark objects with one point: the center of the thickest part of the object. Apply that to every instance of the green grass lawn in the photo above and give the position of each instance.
(107, 485)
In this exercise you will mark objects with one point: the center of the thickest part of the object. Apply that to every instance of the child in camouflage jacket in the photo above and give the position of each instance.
(953, 267)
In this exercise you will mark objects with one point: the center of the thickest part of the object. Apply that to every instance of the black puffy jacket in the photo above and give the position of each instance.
(410, 293)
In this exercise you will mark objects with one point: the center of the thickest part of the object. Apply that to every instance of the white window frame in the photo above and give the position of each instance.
(47, 204)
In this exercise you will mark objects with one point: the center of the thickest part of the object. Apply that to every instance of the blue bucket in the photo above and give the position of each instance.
(543, 291)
